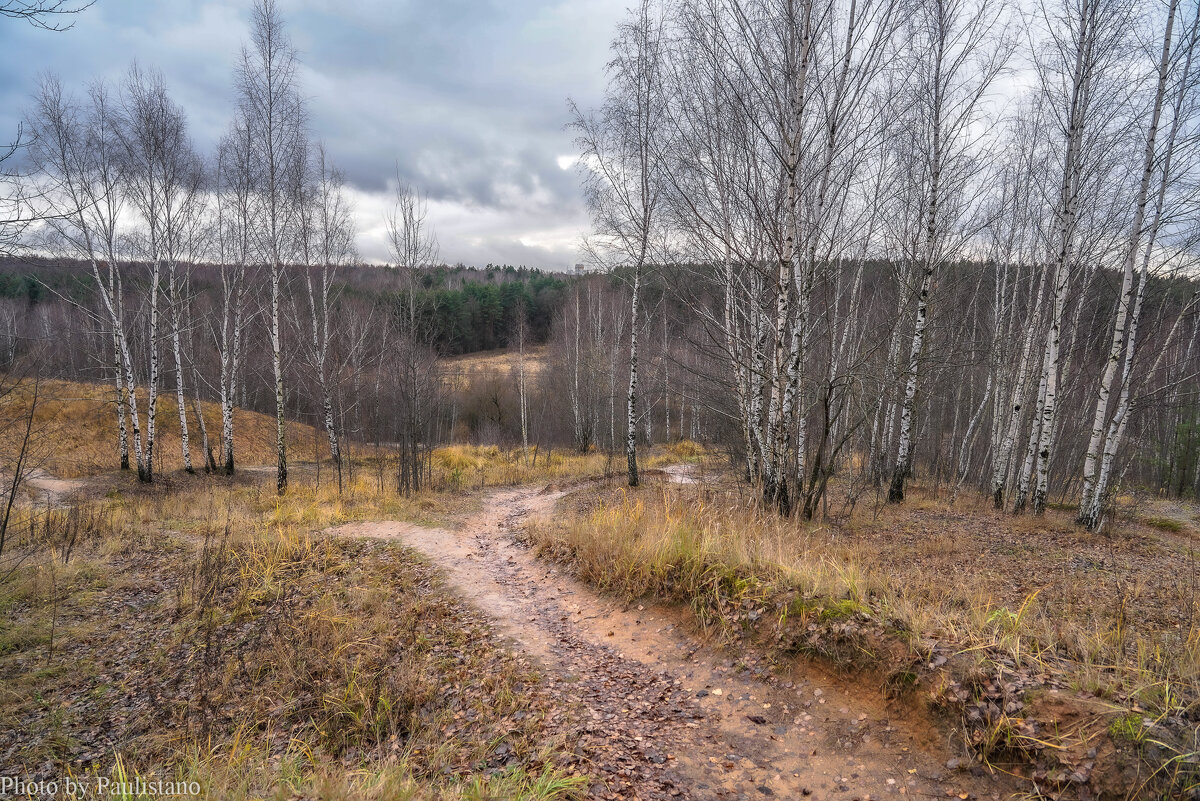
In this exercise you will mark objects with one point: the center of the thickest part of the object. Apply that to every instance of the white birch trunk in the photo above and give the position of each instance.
(177, 351)
(631, 408)
(110, 293)
(1126, 324)
(152, 388)
(1064, 242)
(281, 474)
(1024, 372)
(122, 429)
(524, 397)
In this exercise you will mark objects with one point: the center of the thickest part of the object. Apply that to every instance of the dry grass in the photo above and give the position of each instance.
(683, 451)
(1127, 605)
(459, 467)
(1123, 606)
(459, 370)
(690, 545)
(76, 436)
(210, 633)
(205, 629)
(1111, 617)
(76, 426)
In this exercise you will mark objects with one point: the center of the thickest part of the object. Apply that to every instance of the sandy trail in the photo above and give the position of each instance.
(664, 716)
(52, 490)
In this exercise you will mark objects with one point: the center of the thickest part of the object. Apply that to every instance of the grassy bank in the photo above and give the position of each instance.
(1069, 657)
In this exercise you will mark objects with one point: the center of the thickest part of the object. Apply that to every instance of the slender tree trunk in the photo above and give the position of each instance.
(1125, 325)
(1020, 388)
(1066, 215)
(176, 350)
(281, 475)
(904, 447)
(152, 389)
(524, 397)
(122, 431)
(110, 293)
(631, 432)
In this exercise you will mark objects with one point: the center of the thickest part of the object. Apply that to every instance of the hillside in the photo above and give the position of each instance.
(461, 371)
(75, 430)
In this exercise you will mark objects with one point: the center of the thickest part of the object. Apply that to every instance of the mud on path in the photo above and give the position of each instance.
(660, 715)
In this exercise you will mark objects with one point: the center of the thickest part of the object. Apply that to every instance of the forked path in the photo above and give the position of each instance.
(664, 716)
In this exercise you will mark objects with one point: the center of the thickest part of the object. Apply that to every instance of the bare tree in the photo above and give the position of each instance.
(271, 110)
(1156, 165)
(521, 324)
(1088, 44)
(956, 51)
(413, 245)
(235, 222)
(621, 163)
(77, 152)
(327, 229)
(164, 180)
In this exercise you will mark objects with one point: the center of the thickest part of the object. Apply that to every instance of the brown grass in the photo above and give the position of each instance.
(459, 467)
(493, 363)
(1035, 600)
(204, 629)
(214, 635)
(76, 426)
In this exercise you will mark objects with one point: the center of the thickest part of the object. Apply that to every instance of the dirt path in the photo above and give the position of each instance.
(664, 716)
(52, 490)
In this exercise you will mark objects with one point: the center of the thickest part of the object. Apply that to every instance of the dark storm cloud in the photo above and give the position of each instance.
(466, 99)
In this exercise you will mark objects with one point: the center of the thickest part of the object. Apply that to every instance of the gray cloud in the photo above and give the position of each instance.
(466, 98)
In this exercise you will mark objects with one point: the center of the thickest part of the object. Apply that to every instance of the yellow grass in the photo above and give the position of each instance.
(457, 467)
(705, 547)
(497, 362)
(76, 430)
(282, 662)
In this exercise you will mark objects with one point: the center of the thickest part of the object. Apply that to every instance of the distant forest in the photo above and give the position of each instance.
(462, 309)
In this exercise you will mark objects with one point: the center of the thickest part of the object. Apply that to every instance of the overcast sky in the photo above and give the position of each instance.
(469, 97)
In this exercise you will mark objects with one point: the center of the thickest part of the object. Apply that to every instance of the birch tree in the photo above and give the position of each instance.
(234, 247)
(1086, 46)
(272, 111)
(522, 334)
(957, 49)
(777, 110)
(621, 163)
(1143, 233)
(165, 180)
(77, 153)
(1020, 291)
(327, 229)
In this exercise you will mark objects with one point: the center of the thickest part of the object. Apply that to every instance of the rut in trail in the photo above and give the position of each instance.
(663, 716)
